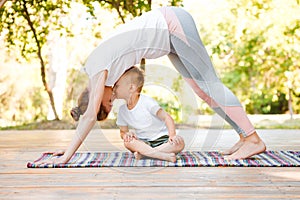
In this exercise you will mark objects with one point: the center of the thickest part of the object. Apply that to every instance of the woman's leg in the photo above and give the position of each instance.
(190, 58)
(236, 113)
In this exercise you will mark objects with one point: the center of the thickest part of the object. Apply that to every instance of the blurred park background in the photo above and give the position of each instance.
(254, 45)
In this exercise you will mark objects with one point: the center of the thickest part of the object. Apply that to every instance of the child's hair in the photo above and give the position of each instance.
(83, 102)
(136, 76)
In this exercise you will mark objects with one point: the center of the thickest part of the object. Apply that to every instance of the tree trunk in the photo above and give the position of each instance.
(43, 74)
(2, 2)
(290, 103)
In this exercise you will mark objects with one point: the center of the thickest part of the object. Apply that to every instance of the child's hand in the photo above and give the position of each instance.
(129, 136)
(176, 140)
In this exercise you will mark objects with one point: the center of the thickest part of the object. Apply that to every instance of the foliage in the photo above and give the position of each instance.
(6, 94)
(20, 103)
(171, 106)
(174, 111)
(256, 55)
(44, 17)
(125, 8)
(26, 25)
(256, 48)
(76, 83)
(167, 98)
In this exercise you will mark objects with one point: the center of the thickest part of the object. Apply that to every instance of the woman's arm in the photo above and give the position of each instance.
(88, 119)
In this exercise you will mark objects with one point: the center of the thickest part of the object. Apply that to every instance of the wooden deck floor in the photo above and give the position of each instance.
(19, 182)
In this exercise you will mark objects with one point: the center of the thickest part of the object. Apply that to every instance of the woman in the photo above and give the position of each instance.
(166, 31)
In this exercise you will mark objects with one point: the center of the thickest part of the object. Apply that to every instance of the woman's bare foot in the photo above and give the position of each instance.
(137, 155)
(234, 148)
(247, 150)
(251, 146)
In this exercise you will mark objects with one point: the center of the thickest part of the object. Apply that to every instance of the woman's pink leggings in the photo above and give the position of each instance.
(190, 58)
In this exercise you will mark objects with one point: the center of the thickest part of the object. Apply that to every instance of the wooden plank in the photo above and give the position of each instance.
(19, 182)
(139, 192)
(216, 177)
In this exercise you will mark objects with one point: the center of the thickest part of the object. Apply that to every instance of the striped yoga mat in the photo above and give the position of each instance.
(184, 159)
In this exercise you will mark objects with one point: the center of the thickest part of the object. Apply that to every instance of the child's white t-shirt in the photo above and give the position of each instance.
(143, 119)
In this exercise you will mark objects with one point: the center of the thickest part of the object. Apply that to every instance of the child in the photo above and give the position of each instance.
(154, 134)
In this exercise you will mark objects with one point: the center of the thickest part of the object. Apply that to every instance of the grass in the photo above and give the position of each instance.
(286, 124)
(56, 125)
(275, 122)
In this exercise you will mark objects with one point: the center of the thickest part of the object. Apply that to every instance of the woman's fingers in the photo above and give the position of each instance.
(56, 153)
(59, 153)
(54, 160)
(44, 162)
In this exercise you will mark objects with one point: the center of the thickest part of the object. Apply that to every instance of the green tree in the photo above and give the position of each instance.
(26, 24)
(127, 9)
(256, 49)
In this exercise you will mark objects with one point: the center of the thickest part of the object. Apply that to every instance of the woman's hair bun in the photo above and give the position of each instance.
(75, 113)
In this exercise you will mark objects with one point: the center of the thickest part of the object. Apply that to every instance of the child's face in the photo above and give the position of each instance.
(107, 99)
(122, 88)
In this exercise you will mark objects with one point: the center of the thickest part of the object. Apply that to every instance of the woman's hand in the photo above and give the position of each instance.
(129, 136)
(54, 160)
(56, 153)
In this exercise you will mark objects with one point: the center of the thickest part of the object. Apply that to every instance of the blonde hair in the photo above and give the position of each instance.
(136, 77)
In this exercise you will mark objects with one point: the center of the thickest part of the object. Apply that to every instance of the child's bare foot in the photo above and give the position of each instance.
(137, 155)
(247, 150)
(234, 148)
(171, 157)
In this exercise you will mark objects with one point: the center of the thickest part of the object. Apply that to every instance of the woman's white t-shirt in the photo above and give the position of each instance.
(143, 119)
(146, 37)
